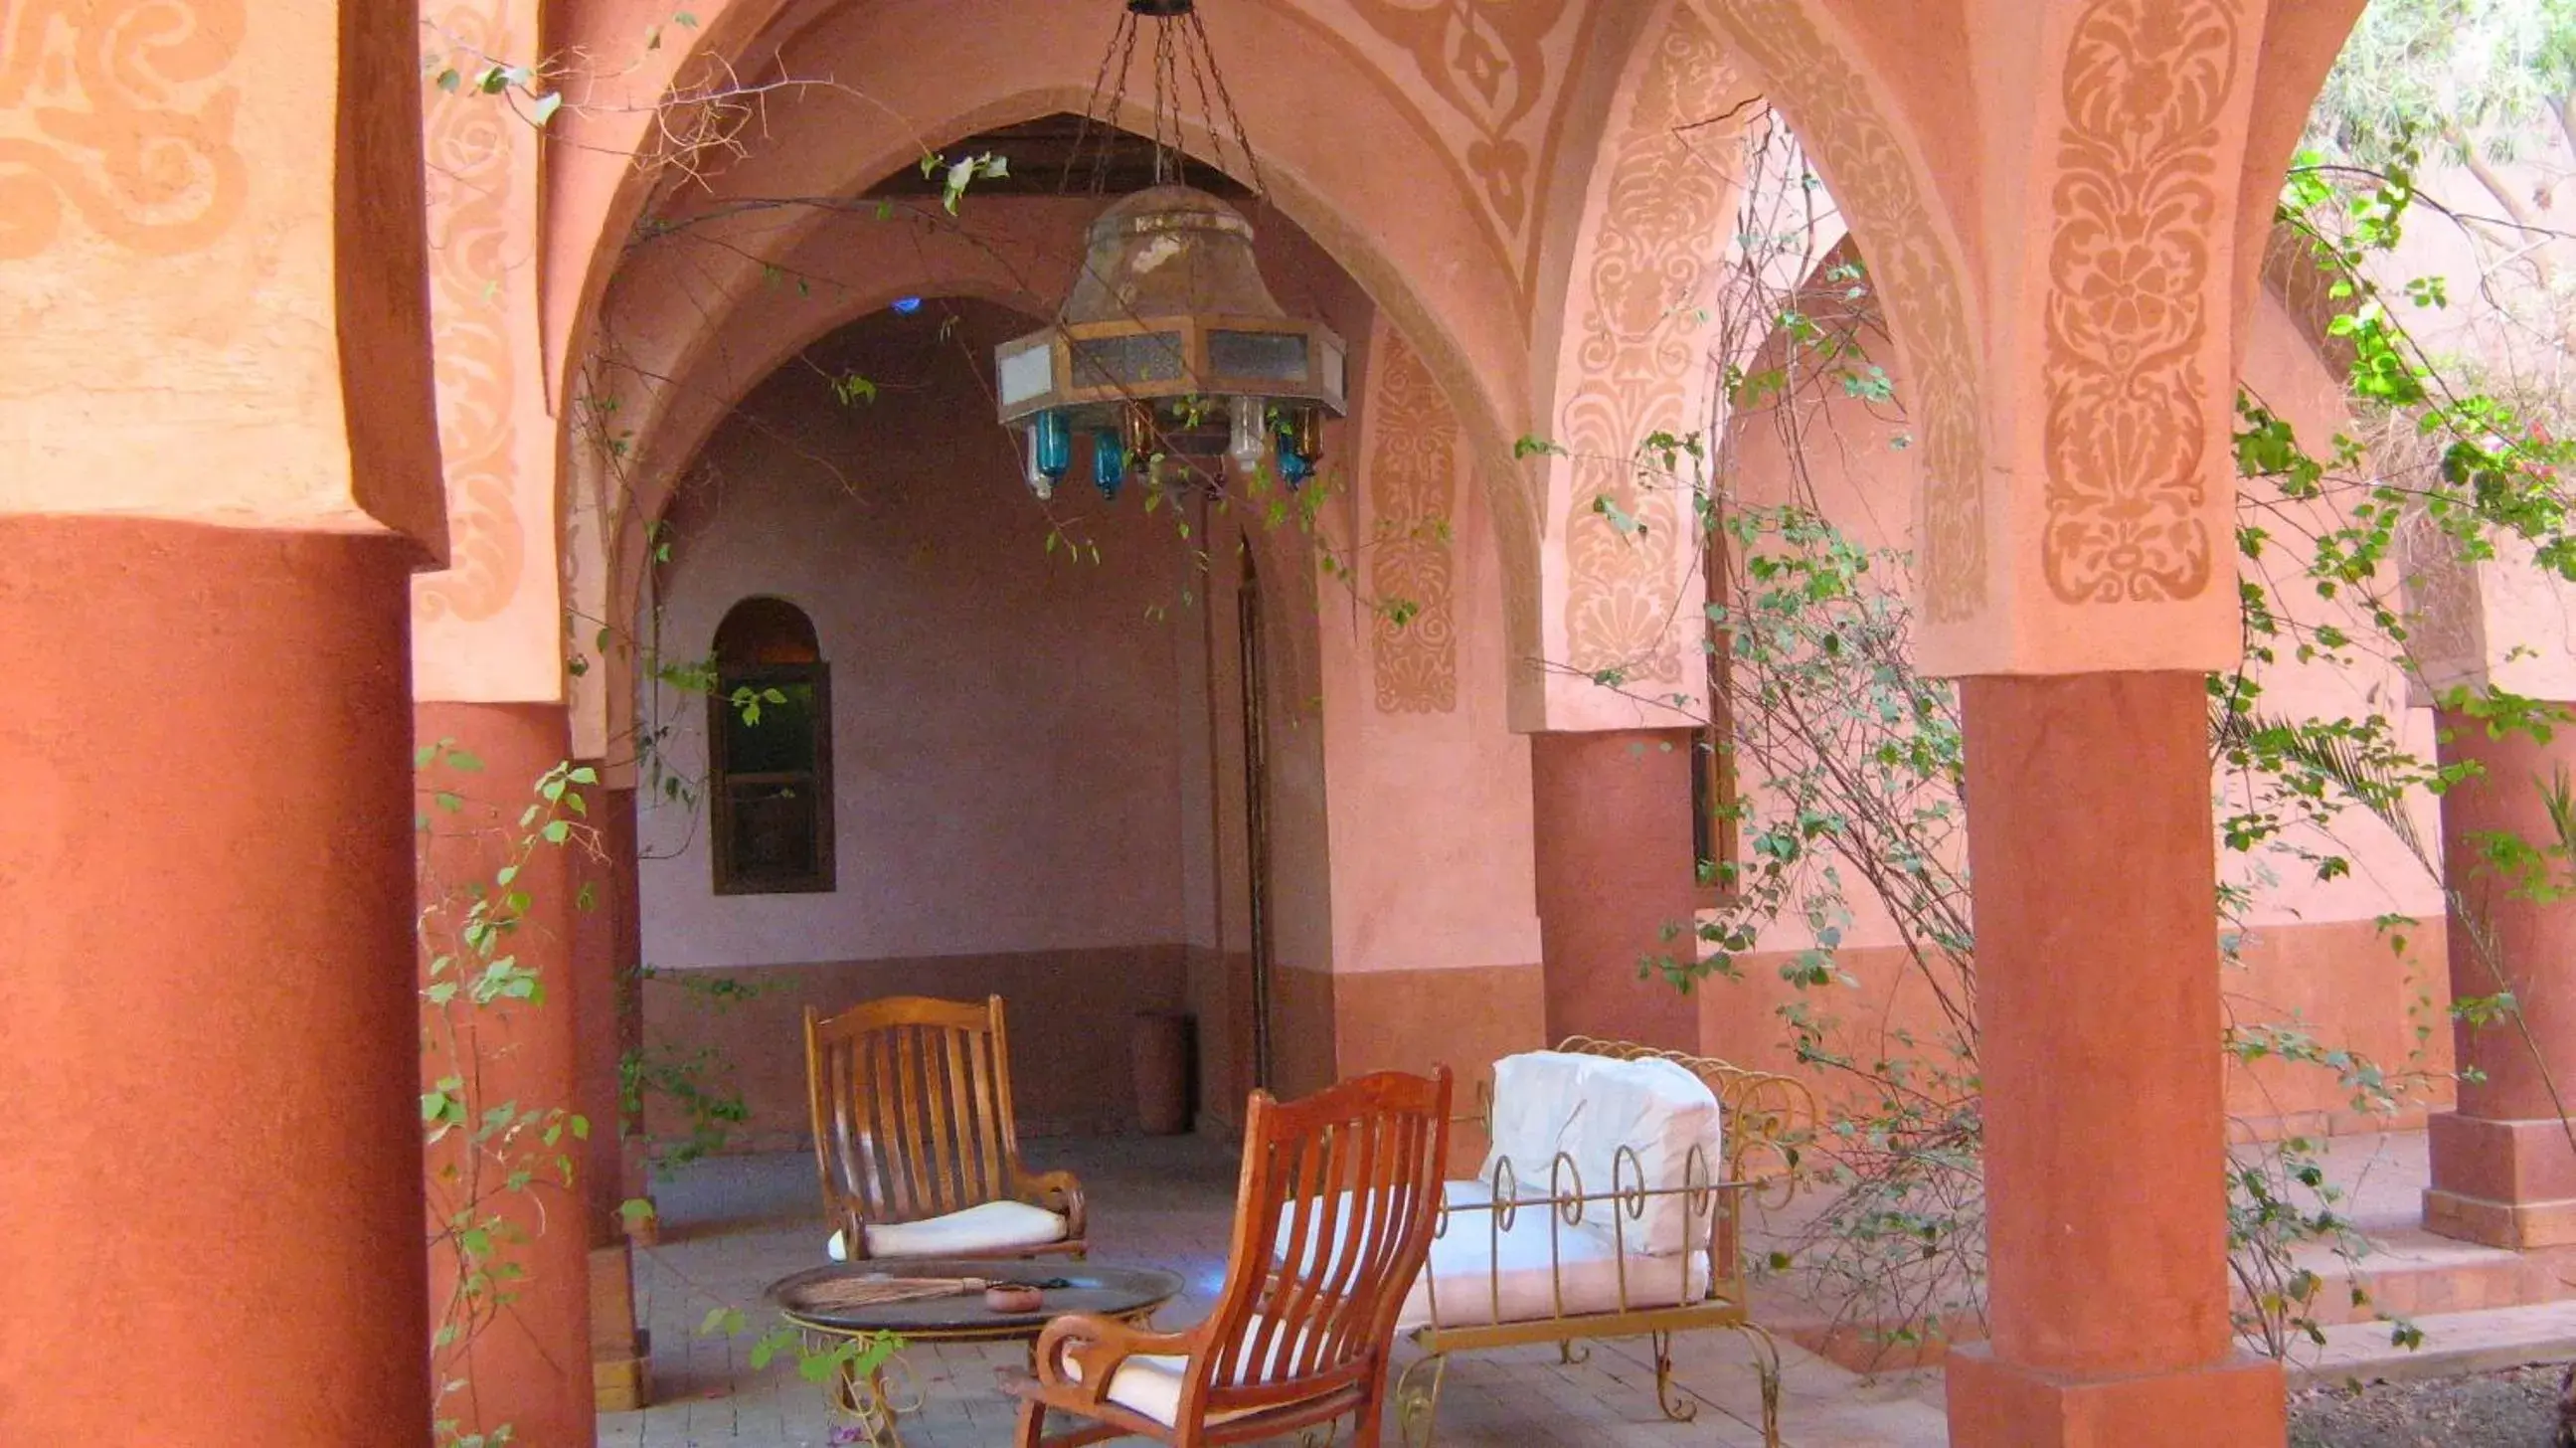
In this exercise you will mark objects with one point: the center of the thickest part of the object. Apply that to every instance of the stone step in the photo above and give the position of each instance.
(2454, 1342)
(2410, 1272)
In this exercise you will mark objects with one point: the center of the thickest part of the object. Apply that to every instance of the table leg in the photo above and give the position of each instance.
(873, 1403)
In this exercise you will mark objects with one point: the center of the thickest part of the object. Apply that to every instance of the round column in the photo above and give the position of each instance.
(607, 942)
(529, 1367)
(209, 1035)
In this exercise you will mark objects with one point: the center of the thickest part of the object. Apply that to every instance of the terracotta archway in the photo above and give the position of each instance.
(843, 272)
(1017, 251)
(1406, 224)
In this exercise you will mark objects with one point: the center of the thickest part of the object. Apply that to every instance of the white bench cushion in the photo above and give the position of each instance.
(1588, 1107)
(988, 1227)
(1536, 1270)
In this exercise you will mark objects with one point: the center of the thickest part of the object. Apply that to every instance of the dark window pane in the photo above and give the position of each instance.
(1258, 356)
(774, 833)
(1703, 801)
(1138, 357)
(781, 741)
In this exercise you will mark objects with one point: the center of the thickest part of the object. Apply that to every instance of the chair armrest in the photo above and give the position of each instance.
(1100, 1345)
(1057, 1191)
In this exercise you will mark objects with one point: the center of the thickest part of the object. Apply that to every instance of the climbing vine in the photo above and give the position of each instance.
(501, 1164)
(1854, 764)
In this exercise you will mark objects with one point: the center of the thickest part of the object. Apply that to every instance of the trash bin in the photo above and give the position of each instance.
(1159, 1052)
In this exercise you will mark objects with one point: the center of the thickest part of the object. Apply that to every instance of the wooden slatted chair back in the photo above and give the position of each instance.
(912, 1106)
(1333, 1219)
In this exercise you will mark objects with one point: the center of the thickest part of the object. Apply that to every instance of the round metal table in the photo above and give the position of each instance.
(1128, 1294)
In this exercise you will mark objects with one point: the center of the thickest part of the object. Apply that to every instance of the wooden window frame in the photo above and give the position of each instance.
(721, 780)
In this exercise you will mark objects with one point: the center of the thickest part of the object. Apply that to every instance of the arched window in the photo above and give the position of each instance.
(769, 753)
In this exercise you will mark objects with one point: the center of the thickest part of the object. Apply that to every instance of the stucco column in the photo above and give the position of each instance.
(607, 943)
(2504, 1172)
(210, 1164)
(1612, 821)
(2089, 836)
(530, 1365)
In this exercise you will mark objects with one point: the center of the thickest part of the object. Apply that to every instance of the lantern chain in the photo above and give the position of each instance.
(1098, 133)
(1121, 50)
(1233, 119)
(1167, 106)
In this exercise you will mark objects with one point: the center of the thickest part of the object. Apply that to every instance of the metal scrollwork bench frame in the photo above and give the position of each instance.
(1764, 1117)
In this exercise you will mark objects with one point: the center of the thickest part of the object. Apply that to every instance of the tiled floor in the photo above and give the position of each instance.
(732, 1226)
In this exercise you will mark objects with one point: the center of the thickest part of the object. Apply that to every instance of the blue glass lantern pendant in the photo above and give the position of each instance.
(1108, 462)
(1301, 444)
(1050, 452)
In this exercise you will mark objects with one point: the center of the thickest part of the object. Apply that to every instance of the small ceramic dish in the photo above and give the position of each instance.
(1011, 1297)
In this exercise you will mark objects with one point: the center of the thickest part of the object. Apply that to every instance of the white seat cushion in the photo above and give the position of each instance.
(1147, 1385)
(1588, 1107)
(989, 1227)
(1536, 1270)
(1150, 1384)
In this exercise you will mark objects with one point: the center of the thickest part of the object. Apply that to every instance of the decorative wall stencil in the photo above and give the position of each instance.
(1494, 71)
(471, 144)
(1664, 229)
(1874, 182)
(2137, 201)
(1412, 484)
(118, 111)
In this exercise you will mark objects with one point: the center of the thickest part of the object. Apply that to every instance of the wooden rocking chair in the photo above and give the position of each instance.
(914, 1136)
(1332, 1221)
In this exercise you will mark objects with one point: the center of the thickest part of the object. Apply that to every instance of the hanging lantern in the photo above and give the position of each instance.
(1170, 336)
(1170, 310)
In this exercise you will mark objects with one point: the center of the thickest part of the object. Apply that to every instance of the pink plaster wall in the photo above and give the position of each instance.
(1431, 808)
(488, 628)
(1007, 727)
(215, 308)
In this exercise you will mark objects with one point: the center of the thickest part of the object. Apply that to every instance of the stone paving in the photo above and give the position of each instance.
(731, 1226)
